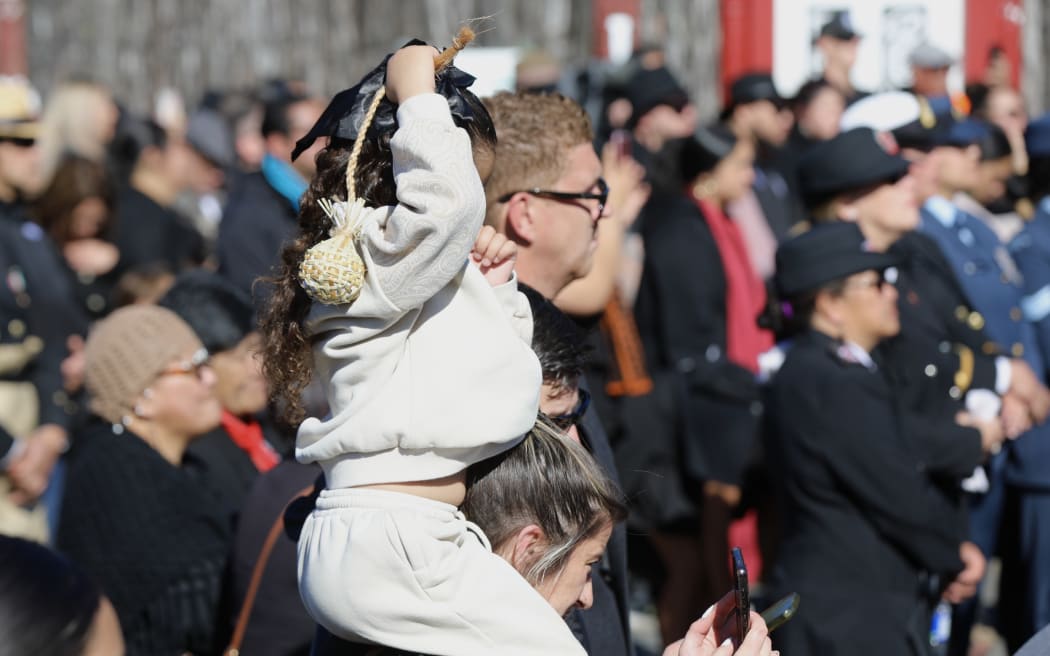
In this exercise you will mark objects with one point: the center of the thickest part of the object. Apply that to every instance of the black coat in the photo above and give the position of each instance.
(149, 536)
(36, 303)
(939, 355)
(224, 469)
(866, 529)
(604, 629)
(149, 234)
(279, 624)
(255, 225)
(681, 315)
(777, 192)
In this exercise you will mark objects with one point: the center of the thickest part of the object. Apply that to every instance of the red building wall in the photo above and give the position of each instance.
(747, 31)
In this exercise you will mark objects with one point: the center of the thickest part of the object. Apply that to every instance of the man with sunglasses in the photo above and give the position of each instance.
(547, 194)
(546, 191)
(37, 315)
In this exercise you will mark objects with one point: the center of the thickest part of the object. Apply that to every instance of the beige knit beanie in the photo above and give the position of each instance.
(126, 351)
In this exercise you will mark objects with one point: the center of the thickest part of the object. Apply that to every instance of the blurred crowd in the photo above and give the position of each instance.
(140, 440)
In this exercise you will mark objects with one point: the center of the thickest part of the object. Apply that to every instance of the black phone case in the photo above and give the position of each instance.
(743, 596)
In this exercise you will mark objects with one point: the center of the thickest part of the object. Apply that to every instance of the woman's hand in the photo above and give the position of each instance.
(965, 584)
(708, 636)
(410, 72)
(1014, 414)
(991, 430)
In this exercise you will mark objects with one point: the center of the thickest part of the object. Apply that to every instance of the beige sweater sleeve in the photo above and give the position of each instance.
(425, 240)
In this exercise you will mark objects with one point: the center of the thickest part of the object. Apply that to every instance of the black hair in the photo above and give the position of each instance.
(978, 94)
(219, 312)
(787, 316)
(557, 341)
(275, 114)
(47, 606)
(134, 135)
(807, 92)
(994, 144)
(1039, 177)
(703, 151)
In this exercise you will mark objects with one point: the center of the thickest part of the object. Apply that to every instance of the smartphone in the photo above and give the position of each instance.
(742, 594)
(781, 612)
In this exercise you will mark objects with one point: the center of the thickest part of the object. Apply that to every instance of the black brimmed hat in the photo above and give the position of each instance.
(649, 88)
(839, 27)
(750, 88)
(824, 254)
(852, 160)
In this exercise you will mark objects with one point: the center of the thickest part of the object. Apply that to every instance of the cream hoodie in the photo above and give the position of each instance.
(430, 369)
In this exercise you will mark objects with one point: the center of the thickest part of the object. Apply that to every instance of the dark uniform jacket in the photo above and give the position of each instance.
(681, 315)
(1030, 249)
(864, 525)
(993, 284)
(940, 354)
(38, 313)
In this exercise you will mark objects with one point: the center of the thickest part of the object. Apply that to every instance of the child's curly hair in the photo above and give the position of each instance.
(287, 352)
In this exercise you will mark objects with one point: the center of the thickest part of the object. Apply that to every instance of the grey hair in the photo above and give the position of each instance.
(548, 480)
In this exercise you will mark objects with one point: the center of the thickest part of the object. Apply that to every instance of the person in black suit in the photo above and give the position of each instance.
(869, 539)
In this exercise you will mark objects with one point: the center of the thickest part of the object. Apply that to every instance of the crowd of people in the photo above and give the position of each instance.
(414, 372)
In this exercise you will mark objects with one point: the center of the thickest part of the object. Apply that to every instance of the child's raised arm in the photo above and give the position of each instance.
(426, 238)
(410, 72)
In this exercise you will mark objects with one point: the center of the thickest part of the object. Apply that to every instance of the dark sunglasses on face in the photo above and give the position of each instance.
(568, 420)
(602, 196)
(879, 283)
(20, 142)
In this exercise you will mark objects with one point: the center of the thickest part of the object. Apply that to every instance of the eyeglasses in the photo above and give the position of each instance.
(192, 366)
(602, 196)
(20, 142)
(880, 283)
(567, 421)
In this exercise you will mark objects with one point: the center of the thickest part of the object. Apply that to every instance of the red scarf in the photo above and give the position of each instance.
(745, 293)
(249, 437)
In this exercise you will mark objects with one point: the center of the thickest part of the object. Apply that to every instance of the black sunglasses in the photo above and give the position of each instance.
(602, 196)
(20, 142)
(880, 283)
(567, 421)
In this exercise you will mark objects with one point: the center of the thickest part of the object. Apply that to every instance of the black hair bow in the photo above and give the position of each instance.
(343, 117)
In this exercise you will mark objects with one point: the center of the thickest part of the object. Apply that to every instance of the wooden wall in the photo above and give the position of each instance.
(139, 46)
